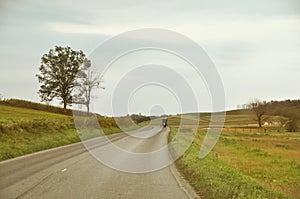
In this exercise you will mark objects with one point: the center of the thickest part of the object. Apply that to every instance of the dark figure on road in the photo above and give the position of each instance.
(164, 122)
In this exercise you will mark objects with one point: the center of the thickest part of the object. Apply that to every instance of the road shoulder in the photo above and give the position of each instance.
(184, 185)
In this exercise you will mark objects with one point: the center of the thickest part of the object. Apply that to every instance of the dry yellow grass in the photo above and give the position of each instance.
(271, 158)
(269, 155)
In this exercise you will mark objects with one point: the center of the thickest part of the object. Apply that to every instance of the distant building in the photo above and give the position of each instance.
(270, 123)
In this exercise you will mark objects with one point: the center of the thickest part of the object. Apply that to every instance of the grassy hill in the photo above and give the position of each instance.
(27, 127)
(235, 119)
(27, 130)
(35, 106)
(247, 161)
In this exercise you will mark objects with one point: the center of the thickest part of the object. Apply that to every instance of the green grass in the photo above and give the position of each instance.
(10, 112)
(266, 157)
(270, 158)
(213, 177)
(35, 106)
(21, 143)
(24, 131)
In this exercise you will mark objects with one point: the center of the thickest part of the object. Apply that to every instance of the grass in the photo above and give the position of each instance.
(214, 177)
(247, 162)
(27, 127)
(18, 144)
(10, 112)
(270, 158)
(35, 106)
(234, 119)
(24, 130)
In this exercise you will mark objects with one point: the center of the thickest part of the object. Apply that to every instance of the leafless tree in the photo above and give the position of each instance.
(87, 81)
(260, 110)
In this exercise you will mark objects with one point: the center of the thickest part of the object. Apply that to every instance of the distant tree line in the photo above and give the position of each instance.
(289, 109)
(138, 118)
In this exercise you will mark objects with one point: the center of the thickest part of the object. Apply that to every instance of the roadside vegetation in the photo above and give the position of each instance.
(247, 161)
(27, 127)
(213, 177)
(34, 106)
(23, 131)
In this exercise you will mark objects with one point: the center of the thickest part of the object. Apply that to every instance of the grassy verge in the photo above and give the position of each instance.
(16, 144)
(27, 127)
(24, 131)
(214, 177)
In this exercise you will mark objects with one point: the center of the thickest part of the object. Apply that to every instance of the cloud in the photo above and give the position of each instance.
(202, 30)
(77, 28)
(249, 41)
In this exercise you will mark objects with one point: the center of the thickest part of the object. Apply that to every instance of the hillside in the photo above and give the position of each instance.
(26, 127)
(25, 130)
(235, 119)
(35, 106)
(247, 161)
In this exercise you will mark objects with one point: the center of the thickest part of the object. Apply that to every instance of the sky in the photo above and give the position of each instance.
(254, 45)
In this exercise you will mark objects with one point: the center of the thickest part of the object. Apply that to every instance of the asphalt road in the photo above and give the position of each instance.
(72, 172)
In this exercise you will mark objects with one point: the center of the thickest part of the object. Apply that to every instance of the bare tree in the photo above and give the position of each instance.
(259, 108)
(87, 81)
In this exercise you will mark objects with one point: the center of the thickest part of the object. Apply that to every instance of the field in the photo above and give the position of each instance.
(24, 130)
(247, 162)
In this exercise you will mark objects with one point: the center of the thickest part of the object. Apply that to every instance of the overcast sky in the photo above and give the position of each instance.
(255, 45)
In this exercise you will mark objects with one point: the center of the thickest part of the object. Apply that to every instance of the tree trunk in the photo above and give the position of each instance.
(259, 122)
(65, 106)
(88, 109)
(88, 94)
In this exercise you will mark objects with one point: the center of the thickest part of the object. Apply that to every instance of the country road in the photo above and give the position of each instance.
(72, 172)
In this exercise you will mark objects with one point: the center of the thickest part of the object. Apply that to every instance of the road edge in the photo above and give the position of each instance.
(182, 182)
(60, 147)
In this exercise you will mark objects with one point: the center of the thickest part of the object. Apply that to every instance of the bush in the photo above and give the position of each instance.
(292, 125)
(34, 126)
